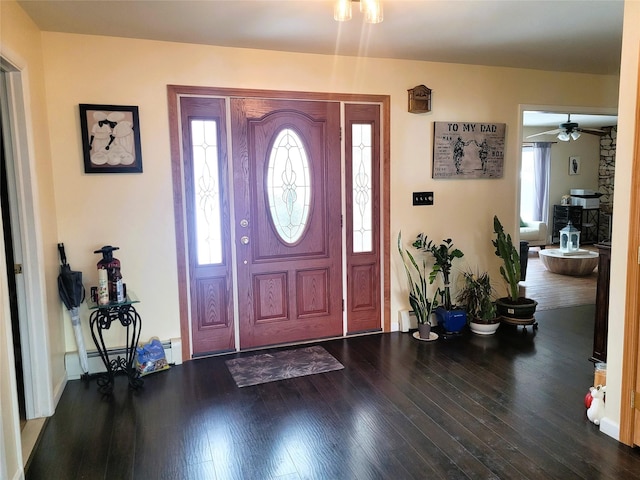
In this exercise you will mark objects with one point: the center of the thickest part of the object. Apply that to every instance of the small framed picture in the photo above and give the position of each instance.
(110, 138)
(574, 165)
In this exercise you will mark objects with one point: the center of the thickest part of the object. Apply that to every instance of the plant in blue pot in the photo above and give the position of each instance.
(451, 318)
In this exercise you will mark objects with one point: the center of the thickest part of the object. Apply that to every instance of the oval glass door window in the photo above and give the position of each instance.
(288, 186)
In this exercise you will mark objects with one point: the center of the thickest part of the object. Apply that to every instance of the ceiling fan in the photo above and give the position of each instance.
(569, 130)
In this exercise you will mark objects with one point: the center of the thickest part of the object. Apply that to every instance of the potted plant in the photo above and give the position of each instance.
(450, 318)
(513, 308)
(477, 297)
(419, 300)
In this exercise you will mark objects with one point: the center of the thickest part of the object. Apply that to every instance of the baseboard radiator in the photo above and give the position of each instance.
(172, 350)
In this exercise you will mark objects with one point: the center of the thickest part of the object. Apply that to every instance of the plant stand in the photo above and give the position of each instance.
(520, 322)
(101, 319)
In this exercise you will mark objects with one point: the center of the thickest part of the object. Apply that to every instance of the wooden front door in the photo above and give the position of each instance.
(287, 182)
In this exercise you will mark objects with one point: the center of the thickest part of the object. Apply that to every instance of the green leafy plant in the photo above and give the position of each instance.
(443, 254)
(416, 273)
(477, 296)
(510, 269)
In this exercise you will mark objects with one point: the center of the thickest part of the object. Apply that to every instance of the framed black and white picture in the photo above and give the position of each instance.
(468, 150)
(574, 165)
(110, 138)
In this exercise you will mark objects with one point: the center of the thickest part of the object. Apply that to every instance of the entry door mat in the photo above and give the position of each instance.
(270, 367)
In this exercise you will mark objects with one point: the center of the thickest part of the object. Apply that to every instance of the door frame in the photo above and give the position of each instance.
(629, 417)
(174, 92)
(39, 396)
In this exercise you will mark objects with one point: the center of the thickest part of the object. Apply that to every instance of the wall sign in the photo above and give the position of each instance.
(468, 150)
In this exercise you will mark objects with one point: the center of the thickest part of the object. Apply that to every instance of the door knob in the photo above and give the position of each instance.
(244, 240)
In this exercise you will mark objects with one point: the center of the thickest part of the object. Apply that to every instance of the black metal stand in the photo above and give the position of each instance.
(101, 320)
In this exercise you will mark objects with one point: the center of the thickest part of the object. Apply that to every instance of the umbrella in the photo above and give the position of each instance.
(71, 293)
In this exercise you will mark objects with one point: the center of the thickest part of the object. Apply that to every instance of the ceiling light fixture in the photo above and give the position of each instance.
(372, 10)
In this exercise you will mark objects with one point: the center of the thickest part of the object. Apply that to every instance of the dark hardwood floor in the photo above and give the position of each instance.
(509, 406)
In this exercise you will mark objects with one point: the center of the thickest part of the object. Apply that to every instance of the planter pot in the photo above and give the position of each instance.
(516, 313)
(524, 308)
(483, 328)
(451, 321)
(425, 330)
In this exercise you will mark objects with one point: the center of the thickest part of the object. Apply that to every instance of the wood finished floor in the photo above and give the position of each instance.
(552, 290)
(507, 407)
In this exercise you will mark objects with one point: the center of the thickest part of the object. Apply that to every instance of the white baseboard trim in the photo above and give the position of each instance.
(408, 320)
(611, 428)
(172, 350)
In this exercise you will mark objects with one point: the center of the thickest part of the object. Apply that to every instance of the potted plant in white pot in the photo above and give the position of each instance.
(451, 318)
(421, 304)
(512, 309)
(477, 296)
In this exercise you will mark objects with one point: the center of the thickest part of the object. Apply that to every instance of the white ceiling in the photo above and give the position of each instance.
(560, 35)
(546, 119)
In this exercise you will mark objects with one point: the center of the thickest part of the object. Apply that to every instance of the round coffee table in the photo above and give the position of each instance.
(575, 264)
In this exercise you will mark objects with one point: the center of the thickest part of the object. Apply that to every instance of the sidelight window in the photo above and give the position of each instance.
(361, 187)
(206, 185)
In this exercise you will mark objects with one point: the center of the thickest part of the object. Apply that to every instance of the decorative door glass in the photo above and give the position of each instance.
(288, 186)
(361, 190)
(206, 181)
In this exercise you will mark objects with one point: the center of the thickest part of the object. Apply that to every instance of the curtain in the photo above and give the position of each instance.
(541, 165)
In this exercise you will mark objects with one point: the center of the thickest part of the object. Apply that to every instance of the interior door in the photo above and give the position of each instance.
(287, 181)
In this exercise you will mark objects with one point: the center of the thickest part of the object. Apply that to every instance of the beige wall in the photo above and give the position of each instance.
(627, 129)
(135, 213)
(20, 44)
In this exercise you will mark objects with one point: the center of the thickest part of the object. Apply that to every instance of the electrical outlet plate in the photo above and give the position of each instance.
(423, 198)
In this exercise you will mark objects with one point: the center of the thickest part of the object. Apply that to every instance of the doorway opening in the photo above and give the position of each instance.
(545, 127)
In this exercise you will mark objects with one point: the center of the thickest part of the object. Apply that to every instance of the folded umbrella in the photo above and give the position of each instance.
(72, 294)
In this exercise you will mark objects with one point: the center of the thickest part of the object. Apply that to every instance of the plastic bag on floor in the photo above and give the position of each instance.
(150, 358)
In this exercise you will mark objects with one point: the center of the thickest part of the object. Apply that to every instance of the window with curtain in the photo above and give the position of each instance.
(534, 182)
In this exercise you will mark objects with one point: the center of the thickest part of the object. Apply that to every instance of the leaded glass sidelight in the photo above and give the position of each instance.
(361, 187)
(206, 191)
(288, 186)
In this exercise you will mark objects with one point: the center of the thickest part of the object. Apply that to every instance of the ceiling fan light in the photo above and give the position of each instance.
(564, 136)
(342, 10)
(575, 135)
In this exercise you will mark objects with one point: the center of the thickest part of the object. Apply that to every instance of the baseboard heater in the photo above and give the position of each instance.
(172, 350)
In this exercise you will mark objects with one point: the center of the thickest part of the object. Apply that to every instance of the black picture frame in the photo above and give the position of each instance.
(110, 138)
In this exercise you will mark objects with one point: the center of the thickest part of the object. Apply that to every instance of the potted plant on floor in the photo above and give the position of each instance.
(477, 297)
(513, 309)
(421, 304)
(451, 318)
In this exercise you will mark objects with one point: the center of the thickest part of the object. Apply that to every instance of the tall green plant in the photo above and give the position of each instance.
(443, 255)
(420, 303)
(510, 269)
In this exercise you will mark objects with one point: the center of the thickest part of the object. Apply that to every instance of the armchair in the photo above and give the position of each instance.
(534, 232)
